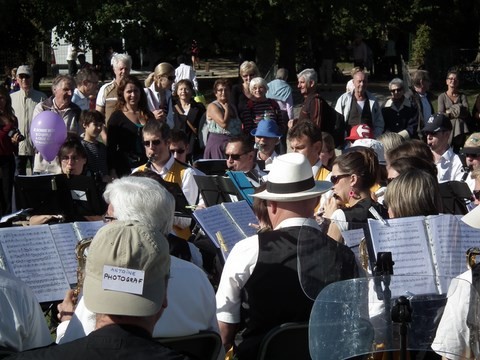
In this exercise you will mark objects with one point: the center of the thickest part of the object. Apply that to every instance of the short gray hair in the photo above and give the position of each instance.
(141, 199)
(309, 75)
(282, 74)
(258, 81)
(60, 78)
(121, 59)
(396, 81)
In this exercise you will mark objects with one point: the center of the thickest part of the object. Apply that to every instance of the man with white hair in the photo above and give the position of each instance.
(190, 297)
(259, 287)
(107, 95)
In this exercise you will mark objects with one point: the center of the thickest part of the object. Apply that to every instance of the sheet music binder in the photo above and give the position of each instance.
(243, 185)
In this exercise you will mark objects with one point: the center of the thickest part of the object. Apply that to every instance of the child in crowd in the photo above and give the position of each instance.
(93, 123)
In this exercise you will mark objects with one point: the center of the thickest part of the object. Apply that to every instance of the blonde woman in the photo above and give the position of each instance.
(241, 92)
(158, 87)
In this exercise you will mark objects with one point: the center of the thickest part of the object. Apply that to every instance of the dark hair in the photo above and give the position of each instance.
(405, 164)
(142, 104)
(307, 128)
(72, 142)
(89, 116)
(157, 127)
(224, 82)
(245, 141)
(362, 162)
(8, 112)
(411, 148)
(184, 82)
(179, 136)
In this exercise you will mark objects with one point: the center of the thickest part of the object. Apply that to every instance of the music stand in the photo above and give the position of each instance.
(455, 196)
(217, 189)
(45, 194)
(182, 208)
(211, 166)
(86, 199)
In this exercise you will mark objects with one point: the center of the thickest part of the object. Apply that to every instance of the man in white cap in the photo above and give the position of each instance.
(23, 103)
(126, 277)
(259, 287)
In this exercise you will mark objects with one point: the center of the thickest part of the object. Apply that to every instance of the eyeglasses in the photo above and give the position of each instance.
(69, 158)
(452, 79)
(248, 75)
(178, 151)
(152, 143)
(476, 194)
(472, 155)
(336, 178)
(24, 76)
(396, 90)
(234, 157)
(171, 78)
(106, 218)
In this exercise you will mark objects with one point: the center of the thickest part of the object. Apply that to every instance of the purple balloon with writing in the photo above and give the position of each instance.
(48, 132)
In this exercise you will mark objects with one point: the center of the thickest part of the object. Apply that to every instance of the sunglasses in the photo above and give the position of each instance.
(234, 156)
(171, 78)
(24, 76)
(396, 90)
(476, 194)
(152, 142)
(472, 155)
(336, 178)
(178, 151)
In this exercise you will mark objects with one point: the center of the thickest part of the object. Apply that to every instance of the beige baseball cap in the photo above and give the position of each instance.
(127, 269)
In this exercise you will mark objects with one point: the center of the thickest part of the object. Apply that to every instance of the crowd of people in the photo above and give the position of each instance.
(324, 167)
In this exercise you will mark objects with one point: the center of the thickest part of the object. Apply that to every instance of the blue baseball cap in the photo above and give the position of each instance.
(266, 128)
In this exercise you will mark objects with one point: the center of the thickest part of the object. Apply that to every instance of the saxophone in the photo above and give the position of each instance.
(81, 251)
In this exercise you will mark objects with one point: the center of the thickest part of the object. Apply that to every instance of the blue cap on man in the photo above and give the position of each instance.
(266, 128)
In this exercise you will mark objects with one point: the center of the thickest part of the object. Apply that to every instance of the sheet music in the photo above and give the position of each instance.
(66, 240)
(352, 239)
(216, 218)
(406, 239)
(87, 229)
(32, 256)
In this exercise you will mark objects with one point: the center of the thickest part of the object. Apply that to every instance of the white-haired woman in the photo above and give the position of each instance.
(259, 107)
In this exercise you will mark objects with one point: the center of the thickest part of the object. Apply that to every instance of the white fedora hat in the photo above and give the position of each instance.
(290, 179)
(473, 218)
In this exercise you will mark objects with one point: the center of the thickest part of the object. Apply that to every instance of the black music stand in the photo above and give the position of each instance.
(217, 189)
(182, 207)
(455, 197)
(211, 166)
(86, 199)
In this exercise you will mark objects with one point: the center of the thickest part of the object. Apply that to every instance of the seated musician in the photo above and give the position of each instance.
(156, 139)
(240, 156)
(259, 288)
(267, 136)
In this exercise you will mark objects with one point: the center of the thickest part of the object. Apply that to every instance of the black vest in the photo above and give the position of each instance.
(273, 294)
(355, 117)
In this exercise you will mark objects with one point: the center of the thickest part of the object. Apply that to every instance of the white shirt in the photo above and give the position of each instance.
(185, 72)
(239, 267)
(191, 307)
(449, 167)
(22, 323)
(453, 334)
(153, 100)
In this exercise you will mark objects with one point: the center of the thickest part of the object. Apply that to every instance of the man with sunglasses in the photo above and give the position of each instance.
(471, 151)
(23, 104)
(240, 156)
(156, 140)
(437, 132)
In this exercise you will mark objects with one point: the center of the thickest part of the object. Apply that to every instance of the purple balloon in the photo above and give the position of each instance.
(48, 132)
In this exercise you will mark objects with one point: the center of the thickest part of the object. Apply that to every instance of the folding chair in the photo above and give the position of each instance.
(205, 345)
(285, 342)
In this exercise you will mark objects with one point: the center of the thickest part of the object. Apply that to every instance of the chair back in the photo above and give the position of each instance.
(286, 341)
(205, 345)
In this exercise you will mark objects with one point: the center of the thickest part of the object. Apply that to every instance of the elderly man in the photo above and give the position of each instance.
(107, 95)
(281, 91)
(61, 103)
(87, 81)
(471, 151)
(23, 103)
(422, 98)
(190, 296)
(360, 106)
(259, 287)
(126, 277)
(437, 131)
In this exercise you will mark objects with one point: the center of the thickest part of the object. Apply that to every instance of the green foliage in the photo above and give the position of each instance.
(421, 44)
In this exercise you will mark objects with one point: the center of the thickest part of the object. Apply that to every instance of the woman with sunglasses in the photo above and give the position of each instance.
(158, 87)
(187, 115)
(223, 121)
(353, 174)
(454, 104)
(125, 149)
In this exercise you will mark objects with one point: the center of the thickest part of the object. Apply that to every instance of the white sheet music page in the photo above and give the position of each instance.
(66, 240)
(32, 256)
